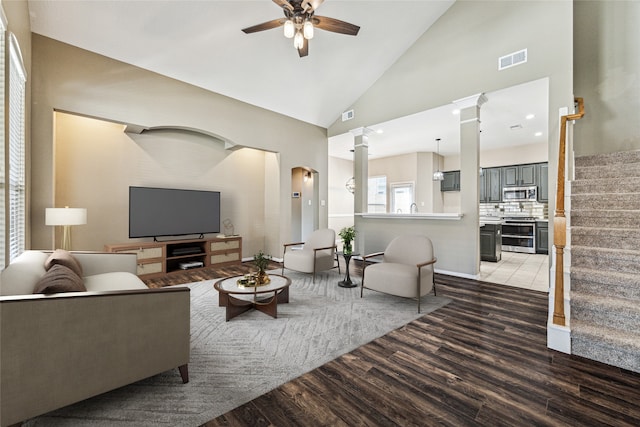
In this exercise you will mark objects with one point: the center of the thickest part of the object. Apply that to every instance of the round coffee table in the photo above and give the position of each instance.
(239, 299)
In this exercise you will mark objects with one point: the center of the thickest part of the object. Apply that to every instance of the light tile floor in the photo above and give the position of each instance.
(529, 271)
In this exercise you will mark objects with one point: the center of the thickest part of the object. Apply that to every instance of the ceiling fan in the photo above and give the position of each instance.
(300, 21)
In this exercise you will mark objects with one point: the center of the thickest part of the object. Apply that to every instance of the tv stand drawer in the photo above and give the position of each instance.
(143, 253)
(225, 258)
(149, 268)
(225, 245)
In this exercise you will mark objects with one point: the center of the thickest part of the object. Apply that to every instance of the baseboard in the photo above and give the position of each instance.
(559, 338)
(457, 274)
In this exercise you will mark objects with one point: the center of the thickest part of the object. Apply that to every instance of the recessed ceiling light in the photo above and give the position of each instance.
(455, 112)
(538, 134)
(530, 116)
(379, 131)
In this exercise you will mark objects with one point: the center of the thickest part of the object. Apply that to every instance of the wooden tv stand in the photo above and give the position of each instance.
(156, 259)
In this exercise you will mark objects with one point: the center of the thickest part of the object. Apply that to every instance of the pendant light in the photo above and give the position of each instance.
(438, 175)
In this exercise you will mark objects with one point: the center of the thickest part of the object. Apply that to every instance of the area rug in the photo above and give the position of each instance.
(234, 362)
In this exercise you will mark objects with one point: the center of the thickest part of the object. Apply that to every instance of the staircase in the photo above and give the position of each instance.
(605, 259)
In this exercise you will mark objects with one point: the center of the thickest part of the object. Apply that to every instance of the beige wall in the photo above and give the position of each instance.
(111, 160)
(457, 58)
(341, 206)
(607, 75)
(73, 80)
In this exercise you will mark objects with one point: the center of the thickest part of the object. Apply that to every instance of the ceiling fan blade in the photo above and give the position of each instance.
(304, 50)
(264, 26)
(284, 4)
(314, 4)
(335, 25)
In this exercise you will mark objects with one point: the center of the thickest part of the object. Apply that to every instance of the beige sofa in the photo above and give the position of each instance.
(58, 349)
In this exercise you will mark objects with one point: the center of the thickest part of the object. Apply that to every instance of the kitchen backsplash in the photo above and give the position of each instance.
(535, 209)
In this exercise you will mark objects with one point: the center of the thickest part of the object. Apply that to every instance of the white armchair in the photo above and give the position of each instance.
(317, 254)
(406, 269)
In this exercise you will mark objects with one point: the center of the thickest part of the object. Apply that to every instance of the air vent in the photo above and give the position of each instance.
(347, 115)
(513, 59)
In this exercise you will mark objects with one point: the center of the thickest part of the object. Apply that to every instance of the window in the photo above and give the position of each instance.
(401, 197)
(377, 194)
(17, 175)
(3, 26)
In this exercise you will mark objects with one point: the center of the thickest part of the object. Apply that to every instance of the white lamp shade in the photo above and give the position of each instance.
(65, 216)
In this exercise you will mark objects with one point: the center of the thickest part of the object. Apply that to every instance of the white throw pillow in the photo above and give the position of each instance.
(20, 277)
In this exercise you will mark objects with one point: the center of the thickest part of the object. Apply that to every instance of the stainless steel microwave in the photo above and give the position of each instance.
(520, 194)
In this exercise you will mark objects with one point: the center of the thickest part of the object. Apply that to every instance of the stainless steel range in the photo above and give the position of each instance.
(519, 234)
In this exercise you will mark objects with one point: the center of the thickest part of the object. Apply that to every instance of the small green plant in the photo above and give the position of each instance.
(261, 261)
(347, 234)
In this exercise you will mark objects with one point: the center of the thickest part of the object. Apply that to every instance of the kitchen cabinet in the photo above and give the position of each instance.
(491, 185)
(543, 182)
(519, 175)
(451, 181)
(490, 242)
(542, 237)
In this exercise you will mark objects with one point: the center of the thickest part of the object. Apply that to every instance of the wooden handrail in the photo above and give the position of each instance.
(559, 220)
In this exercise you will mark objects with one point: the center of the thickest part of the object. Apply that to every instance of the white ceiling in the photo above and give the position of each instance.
(201, 42)
(503, 119)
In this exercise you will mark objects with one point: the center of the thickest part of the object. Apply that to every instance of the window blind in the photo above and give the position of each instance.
(17, 187)
(3, 179)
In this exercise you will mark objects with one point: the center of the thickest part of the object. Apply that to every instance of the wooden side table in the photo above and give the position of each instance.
(347, 283)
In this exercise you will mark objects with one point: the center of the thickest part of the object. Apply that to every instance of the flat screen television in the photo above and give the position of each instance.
(155, 212)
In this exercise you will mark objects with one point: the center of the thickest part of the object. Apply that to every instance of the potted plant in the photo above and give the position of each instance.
(347, 234)
(261, 261)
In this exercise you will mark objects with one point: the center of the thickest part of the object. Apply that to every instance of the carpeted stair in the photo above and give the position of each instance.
(605, 259)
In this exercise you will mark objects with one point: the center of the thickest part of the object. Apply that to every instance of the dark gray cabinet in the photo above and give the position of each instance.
(542, 237)
(519, 175)
(543, 182)
(491, 185)
(491, 242)
(451, 181)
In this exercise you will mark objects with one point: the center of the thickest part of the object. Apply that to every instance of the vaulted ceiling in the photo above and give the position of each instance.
(201, 42)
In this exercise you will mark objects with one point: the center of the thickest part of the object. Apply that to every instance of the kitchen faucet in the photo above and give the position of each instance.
(413, 205)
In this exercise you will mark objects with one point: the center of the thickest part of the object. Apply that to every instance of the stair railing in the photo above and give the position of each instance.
(559, 220)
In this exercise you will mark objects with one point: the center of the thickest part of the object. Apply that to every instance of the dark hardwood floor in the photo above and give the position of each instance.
(480, 360)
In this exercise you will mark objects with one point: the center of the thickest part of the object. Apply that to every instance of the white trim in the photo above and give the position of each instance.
(3, 18)
(471, 101)
(15, 52)
(559, 338)
(457, 274)
(445, 216)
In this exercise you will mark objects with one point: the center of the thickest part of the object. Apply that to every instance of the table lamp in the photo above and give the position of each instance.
(66, 217)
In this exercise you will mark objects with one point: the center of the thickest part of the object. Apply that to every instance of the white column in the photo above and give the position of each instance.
(360, 169)
(470, 164)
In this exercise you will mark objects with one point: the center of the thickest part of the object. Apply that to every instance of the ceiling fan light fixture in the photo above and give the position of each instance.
(289, 28)
(298, 40)
(307, 29)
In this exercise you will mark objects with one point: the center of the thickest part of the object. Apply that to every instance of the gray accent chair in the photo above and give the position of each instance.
(406, 269)
(317, 254)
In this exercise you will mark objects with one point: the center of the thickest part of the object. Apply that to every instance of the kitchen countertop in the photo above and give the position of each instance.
(500, 220)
